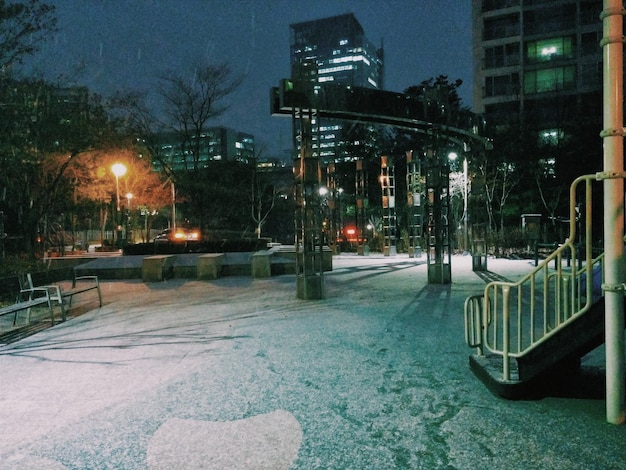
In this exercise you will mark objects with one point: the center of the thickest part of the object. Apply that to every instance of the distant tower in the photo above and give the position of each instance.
(334, 50)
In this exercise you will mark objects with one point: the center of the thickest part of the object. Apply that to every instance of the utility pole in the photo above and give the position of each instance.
(613, 135)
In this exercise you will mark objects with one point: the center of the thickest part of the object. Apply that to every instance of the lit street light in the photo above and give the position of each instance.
(453, 156)
(118, 169)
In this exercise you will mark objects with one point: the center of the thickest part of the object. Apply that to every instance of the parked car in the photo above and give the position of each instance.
(178, 235)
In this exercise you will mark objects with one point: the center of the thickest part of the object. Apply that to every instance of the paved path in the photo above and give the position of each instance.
(239, 374)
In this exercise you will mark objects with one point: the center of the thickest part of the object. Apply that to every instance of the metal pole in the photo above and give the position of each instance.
(173, 207)
(613, 134)
(117, 213)
(117, 191)
(465, 238)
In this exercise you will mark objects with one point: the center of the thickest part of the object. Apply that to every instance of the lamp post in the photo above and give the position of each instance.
(129, 196)
(453, 156)
(118, 169)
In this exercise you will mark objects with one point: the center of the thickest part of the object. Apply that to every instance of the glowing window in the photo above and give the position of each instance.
(339, 68)
(550, 49)
(559, 78)
(350, 58)
(548, 166)
(550, 136)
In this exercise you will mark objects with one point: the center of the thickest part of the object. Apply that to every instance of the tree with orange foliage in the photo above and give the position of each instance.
(94, 181)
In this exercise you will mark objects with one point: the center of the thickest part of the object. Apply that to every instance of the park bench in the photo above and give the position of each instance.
(37, 296)
(80, 284)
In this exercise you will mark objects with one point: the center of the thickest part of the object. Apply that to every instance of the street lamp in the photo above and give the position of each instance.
(129, 196)
(118, 169)
(453, 156)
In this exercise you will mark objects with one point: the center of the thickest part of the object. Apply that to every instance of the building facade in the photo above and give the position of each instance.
(334, 50)
(217, 143)
(539, 58)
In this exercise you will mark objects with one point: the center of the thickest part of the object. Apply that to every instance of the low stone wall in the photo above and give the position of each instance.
(205, 266)
(209, 266)
(157, 268)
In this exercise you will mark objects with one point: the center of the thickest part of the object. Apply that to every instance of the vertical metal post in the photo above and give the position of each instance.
(465, 213)
(361, 208)
(173, 187)
(438, 255)
(506, 333)
(389, 206)
(333, 199)
(613, 134)
(309, 234)
(414, 191)
(2, 248)
(118, 227)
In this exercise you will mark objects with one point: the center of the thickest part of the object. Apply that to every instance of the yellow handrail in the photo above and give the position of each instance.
(518, 316)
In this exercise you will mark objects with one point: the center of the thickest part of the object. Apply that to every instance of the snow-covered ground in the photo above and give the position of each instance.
(238, 373)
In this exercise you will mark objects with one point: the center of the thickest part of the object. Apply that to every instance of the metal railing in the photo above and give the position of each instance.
(511, 318)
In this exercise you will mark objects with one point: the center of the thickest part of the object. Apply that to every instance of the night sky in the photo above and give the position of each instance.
(111, 45)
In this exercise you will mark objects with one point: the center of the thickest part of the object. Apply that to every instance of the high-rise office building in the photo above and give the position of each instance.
(334, 50)
(537, 62)
(216, 143)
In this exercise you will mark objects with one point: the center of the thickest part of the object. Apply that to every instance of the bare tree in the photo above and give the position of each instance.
(263, 195)
(499, 185)
(192, 101)
(23, 25)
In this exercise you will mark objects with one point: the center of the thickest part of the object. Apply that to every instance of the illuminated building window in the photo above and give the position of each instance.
(550, 136)
(548, 165)
(350, 58)
(339, 68)
(546, 50)
(553, 79)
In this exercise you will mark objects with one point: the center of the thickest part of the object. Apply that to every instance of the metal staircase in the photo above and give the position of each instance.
(528, 332)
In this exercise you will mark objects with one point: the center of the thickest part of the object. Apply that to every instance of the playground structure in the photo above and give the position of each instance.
(534, 331)
(529, 332)
(306, 102)
(546, 321)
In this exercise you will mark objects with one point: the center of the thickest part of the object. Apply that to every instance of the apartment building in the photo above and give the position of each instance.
(538, 61)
